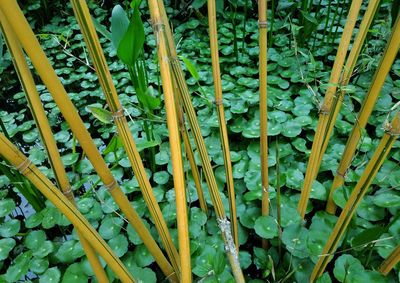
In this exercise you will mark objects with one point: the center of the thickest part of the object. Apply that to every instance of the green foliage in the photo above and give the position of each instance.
(44, 245)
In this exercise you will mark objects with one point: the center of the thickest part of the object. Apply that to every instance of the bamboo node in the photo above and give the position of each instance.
(68, 192)
(343, 175)
(218, 102)
(265, 189)
(323, 110)
(225, 227)
(157, 26)
(24, 166)
(393, 132)
(262, 24)
(111, 186)
(118, 114)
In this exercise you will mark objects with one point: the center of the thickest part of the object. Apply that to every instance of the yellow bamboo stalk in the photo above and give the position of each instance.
(31, 46)
(175, 144)
(313, 166)
(189, 153)
(262, 27)
(9, 152)
(383, 69)
(184, 95)
(223, 131)
(82, 14)
(389, 138)
(46, 134)
(390, 261)
(348, 71)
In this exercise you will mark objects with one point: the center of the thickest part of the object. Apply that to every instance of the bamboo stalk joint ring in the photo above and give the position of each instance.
(22, 168)
(262, 24)
(113, 185)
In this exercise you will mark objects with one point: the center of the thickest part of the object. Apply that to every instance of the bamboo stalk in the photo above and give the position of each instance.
(348, 71)
(213, 34)
(383, 69)
(189, 153)
(389, 138)
(175, 144)
(390, 262)
(184, 95)
(53, 84)
(46, 134)
(313, 166)
(262, 26)
(9, 152)
(89, 33)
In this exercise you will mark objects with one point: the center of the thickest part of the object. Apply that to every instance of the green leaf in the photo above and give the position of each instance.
(19, 268)
(142, 256)
(6, 206)
(161, 177)
(51, 216)
(143, 274)
(110, 227)
(266, 227)
(45, 249)
(132, 42)
(345, 265)
(119, 25)
(191, 68)
(367, 236)
(387, 200)
(34, 220)
(249, 216)
(38, 265)
(219, 262)
(35, 239)
(101, 29)
(133, 235)
(294, 178)
(294, 237)
(101, 114)
(70, 159)
(291, 129)
(143, 144)
(10, 228)
(6, 245)
(52, 275)
(65, 252)
(119, 244)
(74, 273)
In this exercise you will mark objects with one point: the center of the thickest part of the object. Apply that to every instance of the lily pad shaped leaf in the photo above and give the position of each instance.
(266, 227)
(6, 245)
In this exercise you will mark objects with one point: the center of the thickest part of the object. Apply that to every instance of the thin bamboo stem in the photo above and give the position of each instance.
(189, 153)
(389, 138)
(313, 166)
(262, 26)
(213, 34)
(184, 95)
(348, 71)
(175, 144)
(31, 46)
(390, 262)
(9, 152)
(46, 134)
(383, 69)
(89, 33)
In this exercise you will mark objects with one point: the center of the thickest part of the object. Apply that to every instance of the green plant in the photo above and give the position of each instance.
(297, 78)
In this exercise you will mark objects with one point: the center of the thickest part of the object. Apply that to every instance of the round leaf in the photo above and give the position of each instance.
(266, 227)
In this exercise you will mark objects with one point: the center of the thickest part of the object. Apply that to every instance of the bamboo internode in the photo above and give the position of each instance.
(324, 117)
(392, 132)
(32, 173)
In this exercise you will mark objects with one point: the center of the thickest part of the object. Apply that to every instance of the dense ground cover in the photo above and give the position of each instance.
(301, 53)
